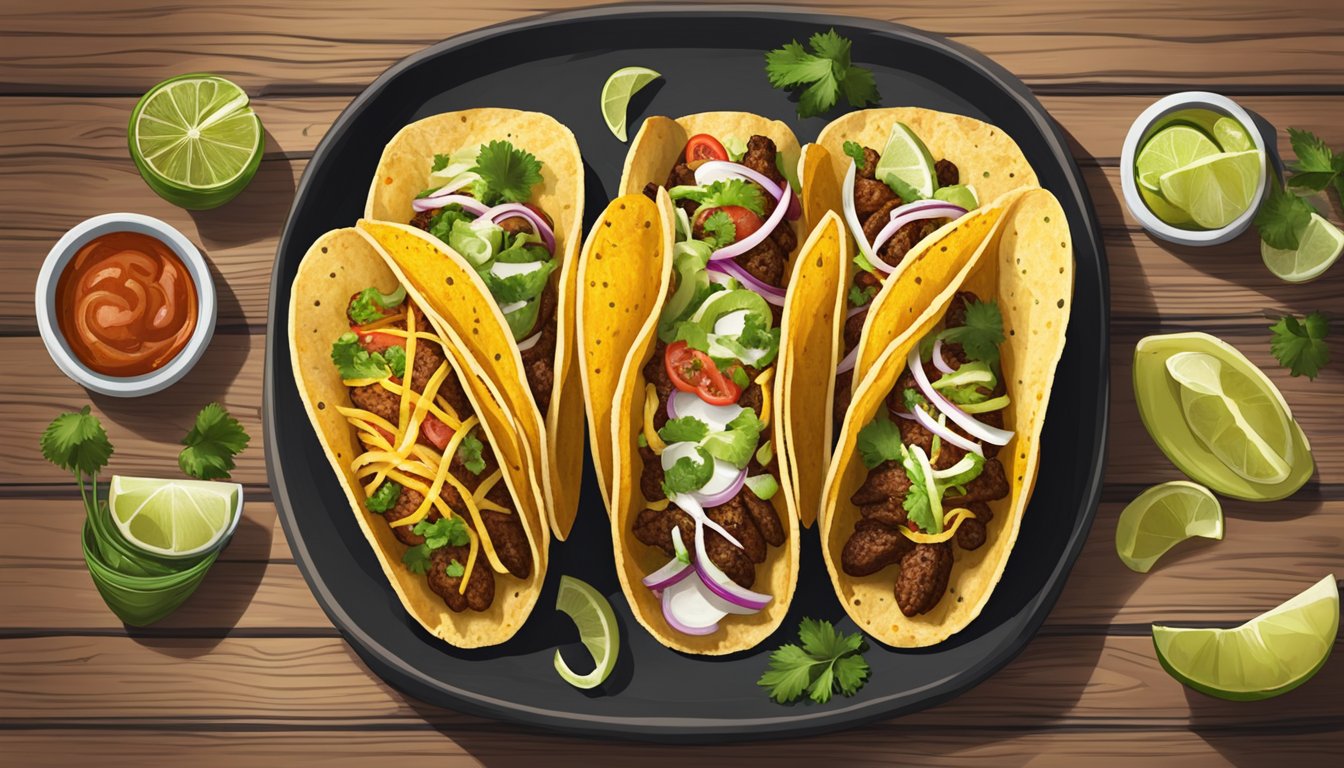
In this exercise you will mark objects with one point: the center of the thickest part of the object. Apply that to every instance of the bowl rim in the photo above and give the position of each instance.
(58, 347)
(1128, 183)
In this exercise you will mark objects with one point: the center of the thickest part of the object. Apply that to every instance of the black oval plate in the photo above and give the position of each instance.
(711, 59)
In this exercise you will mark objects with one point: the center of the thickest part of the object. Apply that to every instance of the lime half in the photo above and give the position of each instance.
(616, 92)
(174, 518)
(906, 158)
(1269, 655)
(1173, 147)
(1231, 135)
(195, 140)
(1162, 517)
(1318, 250)
(1162, 209)
(1239, 421)
(598, 632)
(1215, 190)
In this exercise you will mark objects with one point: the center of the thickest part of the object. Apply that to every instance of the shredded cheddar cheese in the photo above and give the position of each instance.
(956, 516)
(650, 408)
(764, 381)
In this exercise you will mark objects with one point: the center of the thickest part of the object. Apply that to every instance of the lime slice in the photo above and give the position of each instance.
(906, 158)
(598, 632)
(1175, 146)
(1231, 135)
(1318, 250)
(195, 140)
(1237, 420)
(1269, 655)
(175, 518)
(1162, 517)
(1215, 190)
(616, 92)
(1162, 209)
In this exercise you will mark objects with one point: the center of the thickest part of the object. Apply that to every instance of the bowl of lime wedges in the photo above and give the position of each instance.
(1193, 169)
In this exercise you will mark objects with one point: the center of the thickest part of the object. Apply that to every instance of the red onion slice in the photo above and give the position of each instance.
(938, 361)
(719, 583)
(469, 204)
(916, 211)
(519, 211)
(686, 608)
(669, 574)
(847, 362)
(731, 268)
(973, 426)
(720, 170)
(858, 310)
(945, 432)
(740, 247)
(727, 494)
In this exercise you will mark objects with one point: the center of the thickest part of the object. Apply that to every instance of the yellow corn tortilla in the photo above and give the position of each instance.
(1027, 266)
(556, 437)
(623, 273)
(340, 264)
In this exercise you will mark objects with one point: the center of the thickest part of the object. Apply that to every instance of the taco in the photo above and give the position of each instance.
(413, 446)
(939, 450)
(935, 173)
(497, 195)
(703, 514)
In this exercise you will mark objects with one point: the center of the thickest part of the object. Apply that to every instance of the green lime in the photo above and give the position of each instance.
(1318, 250)
(1269, 655)
(1215, 189)
(1236, 418)
(616, 92)
(195, 140)
(1158, 396)
(1231, 135)
(598, 632)
(1162, 209)
(1175, 146)
(906, 158)
(1162, 517)
(174, 518)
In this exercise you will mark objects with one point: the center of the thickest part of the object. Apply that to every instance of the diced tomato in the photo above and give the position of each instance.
(537, 210)
(436, 432)
(702, 147)
(376, 341)
(388, 436)
(694, 371)
(744, 221)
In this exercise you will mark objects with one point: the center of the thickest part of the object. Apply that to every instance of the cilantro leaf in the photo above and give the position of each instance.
(686, 475)
(1283, 218)
(396, 360)
(851, 672)
(469, 453)
(384, 498)
(789, 673)
(685, 429)
(370, 304)
(860, 296)
(443, 532)
(917, 504)
(879, 441)
(440, 162)
(416, 559)
(211, 444)
(76, 442)
(758, 333)
(855, 152)
(739, 192)
(719, 229)
(826, 71)
(982, 334)
(507, 174)
(826, 659)
(454, 569)
(355, 362)
(1312, 153)
(1300, 346)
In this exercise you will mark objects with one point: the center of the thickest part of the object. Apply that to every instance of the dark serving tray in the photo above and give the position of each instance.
(711, 59)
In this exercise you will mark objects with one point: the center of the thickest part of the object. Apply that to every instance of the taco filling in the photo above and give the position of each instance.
(426, 467)
(888, 216)
(933, 469)
(706, 439)
(477, 202)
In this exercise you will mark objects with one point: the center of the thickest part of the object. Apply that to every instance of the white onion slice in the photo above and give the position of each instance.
(938, 361)
(847, 362)
(721, 170)
(973, 426)
(529, 342)
(946, 433)
(956, 469)
(691, 506)
(733, 250)
(687, 609)
(469, 204)
(716, 417)
(743, 600)
(906, 214)
(852, 214)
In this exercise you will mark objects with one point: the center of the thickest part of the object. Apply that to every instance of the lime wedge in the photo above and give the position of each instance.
(175, 518)
(1162, 209)
(1162, 517)
(598, 632)
(195, 140)
(1269, 655)
(1175, 146)
(616, 92)
(906, 158)
(1215, 190)
(1231, 135)
(1318, 250)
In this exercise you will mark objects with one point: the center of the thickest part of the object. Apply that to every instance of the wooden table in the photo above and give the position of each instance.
(251, 670)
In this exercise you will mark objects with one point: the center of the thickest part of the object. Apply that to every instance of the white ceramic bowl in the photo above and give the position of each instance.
(59, 349)
(1139, 132)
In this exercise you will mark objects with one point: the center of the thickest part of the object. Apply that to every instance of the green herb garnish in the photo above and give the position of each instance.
(76, 442)
(469, 453)
(1300, 346)
(826, 71)
(827, 661)
(213, 441)
(384, 498)
(686, 475)
(982, 333)
(507, 174)
(879, 441)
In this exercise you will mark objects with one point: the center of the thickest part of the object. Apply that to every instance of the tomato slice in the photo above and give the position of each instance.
(694, 371)
(436, 432)
(376, 341)
(745, 223)
(703, 147)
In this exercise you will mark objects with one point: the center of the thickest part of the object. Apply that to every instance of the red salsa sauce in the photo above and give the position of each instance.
(126, 304)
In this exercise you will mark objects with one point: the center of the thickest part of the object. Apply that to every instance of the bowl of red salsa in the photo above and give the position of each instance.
(125, 304)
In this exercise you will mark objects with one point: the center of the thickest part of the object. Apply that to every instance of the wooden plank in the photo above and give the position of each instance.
(483, 743)
(310, 45)
(1057, 681)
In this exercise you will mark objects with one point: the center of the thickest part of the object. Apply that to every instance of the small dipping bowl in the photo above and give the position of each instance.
(1153, 119)
(59, 348)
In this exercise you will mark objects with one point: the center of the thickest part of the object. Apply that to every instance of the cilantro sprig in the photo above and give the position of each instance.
(355, 362)
(1317, 166)
(213, 441)
(982, 332)
(446, 531)
(76, 442)
(469, 453)
(826, 71)
(879, 441)
(720, 231)
(1284, 216)
(507, 173)
(826, 661)
(723, 193)
(1300, 346)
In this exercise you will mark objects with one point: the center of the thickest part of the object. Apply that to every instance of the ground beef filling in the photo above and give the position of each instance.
(877, 541)
(751, 520)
